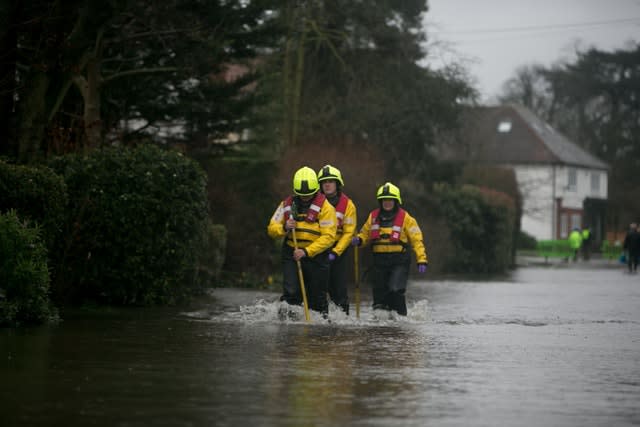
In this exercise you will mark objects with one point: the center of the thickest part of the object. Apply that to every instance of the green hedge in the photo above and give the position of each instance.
(213, 255)
(24, 278)
(481, 222)
(37, 194)
(526, 241)
(610, 251)
(137, 224)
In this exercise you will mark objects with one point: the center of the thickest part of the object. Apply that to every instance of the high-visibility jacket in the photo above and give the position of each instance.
(346, 217)
(410, 234)
(575, 239)
(314, 233)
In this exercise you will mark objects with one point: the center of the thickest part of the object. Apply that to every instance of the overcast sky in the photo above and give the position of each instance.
(495, 37)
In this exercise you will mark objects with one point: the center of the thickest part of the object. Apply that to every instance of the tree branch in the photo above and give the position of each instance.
(81, 84)
(139, 71)
(149, 34)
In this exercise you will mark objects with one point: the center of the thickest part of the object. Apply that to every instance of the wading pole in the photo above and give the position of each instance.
(301, 279)
(355, 261)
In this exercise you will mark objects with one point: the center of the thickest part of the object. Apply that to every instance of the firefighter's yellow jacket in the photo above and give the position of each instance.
(314, 237)
(347, 223)
(410, 234)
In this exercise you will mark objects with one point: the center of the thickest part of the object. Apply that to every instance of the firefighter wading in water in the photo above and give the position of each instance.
(390, 231)
(331, 184)
(314, 219)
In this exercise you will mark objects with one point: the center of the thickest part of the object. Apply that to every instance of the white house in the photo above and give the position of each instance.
(562, 185)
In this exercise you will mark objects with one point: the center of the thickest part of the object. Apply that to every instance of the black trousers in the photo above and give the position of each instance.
(338, 282)
(632, 260)
(390, 274)
(315, 273)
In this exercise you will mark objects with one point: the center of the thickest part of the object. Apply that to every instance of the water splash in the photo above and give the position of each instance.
(268, 311)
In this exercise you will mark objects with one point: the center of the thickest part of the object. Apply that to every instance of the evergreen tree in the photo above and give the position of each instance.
(351, 68)
(126, 70)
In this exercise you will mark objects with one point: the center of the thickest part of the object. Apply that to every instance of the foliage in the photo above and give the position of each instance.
(79, 72)
(137, 224)
(37, 194)
(213, 255)
(529, 87)
(350, 69)
(23, 273)
(481, 222)
(501, 179)
(526, 241)
(240, 199)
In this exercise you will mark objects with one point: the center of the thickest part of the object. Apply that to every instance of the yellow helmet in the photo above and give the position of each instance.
(305, 182)
(388, 191)
(329, 172)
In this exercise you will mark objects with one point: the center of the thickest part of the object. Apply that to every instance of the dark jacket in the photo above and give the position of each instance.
(632, 242)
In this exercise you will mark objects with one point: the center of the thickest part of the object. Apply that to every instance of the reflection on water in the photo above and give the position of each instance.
(543, 347)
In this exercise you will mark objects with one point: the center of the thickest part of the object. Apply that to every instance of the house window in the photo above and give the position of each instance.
(576, 221)
(572, 179)
(595, 182)
(564, 226)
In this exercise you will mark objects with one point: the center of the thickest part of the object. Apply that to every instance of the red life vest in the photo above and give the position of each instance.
(341, 208)
(312, 212)
(396, 229)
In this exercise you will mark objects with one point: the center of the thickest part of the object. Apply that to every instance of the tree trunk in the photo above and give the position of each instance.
(32, 118)
(8, 47)
(92, 119)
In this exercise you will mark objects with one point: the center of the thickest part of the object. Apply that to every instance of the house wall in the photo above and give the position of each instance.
(536, 187)
(553, 197)
(573, 195)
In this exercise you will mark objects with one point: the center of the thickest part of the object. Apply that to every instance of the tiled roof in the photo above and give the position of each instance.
(513, 134)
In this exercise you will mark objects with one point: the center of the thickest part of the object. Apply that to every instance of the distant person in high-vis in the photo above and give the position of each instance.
(391, 232)
(575, 242)
(310, 214)
(331, 183)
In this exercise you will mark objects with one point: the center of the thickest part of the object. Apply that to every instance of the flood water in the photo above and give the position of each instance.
(541, 347)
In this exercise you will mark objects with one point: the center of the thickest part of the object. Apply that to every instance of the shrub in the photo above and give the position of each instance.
(37, 194)
(213, 254)
(137, 224)
(482, 225)
(23, 273)
(238, 191)
(526, 241)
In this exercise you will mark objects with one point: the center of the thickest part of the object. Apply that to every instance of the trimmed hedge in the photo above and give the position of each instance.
(213, 254)
(37, 194)
(526, 241)
(481, 222)
(137, 224)
(24, 278)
